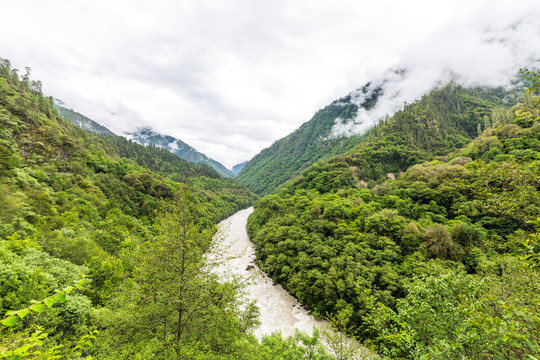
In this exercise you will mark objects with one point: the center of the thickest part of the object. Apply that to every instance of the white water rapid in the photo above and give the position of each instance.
(279, 311)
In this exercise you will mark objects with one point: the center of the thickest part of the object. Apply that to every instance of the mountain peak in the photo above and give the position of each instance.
(80, 120)
(148, 136)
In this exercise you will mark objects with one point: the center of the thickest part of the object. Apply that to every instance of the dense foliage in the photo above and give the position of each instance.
(439, 262)
(442, 121)
(76, 207)
(286, 157)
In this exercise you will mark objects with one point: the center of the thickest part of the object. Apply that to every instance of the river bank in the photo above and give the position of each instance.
(279, 311)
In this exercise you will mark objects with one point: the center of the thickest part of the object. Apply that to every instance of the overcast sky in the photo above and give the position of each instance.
(231, 77)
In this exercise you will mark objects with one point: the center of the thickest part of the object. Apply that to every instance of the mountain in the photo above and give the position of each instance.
(311, 142)
(147, 136)
(439, 123)
(84, 226)
(238, 167)
(446, 123)
(423, 238)
(82, 121)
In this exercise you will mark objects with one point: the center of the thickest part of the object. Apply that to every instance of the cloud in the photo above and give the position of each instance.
(474, 51)
(230, 78)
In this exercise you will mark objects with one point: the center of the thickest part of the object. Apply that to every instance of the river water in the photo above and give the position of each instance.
(279, 311)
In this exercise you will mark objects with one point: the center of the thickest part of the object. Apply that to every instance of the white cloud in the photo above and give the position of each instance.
(230, 78)
(474, 51)
(173, 145)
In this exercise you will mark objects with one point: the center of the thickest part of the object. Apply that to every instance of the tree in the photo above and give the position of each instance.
(340, 344)
(533, 77)
(8, 160)
(180, 297)
(439, 242)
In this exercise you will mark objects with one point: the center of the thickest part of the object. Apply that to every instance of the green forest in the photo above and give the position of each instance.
(420, 239)
(442, 121)
(292, 154)
(103, 243)
(419, 242)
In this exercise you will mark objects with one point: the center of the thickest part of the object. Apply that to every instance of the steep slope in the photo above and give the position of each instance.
(147, 136)
(437, 261)
(82, 121)
(238, 167)
(445, 119)
(290, 155)
(439, 123)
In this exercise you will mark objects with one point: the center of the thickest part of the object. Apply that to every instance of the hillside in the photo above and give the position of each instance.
(288, 156)
(82, 121)
(88, 237)
(439, 123)
(442, 121)
(440, 262)
(238, 167)
(147, 136)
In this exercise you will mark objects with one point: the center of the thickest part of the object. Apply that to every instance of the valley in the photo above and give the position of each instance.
(419, 238)
(279, 311)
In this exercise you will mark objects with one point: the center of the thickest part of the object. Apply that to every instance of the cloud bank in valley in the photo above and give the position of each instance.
(476, 51)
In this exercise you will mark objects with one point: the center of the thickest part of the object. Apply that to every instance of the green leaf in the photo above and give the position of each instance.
(22, 313)
(79, 284)
(10, 321)
(23, 349)
(37, 307)
(49, 301)
(61, 296)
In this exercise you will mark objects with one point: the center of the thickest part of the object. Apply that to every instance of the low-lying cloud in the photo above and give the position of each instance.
(487, 51)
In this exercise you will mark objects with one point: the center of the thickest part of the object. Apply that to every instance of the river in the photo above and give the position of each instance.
(279, 311)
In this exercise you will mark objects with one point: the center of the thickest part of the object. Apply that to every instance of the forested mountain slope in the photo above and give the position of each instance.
(147, 136)
(72, 208)
(442, 262)
(441, 121)
(286, 157)
(82, 121)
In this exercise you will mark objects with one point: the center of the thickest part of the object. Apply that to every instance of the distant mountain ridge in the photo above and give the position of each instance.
(81, 121)
(148, 136)
(237, 168)
(145, 136)
(311, 142)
